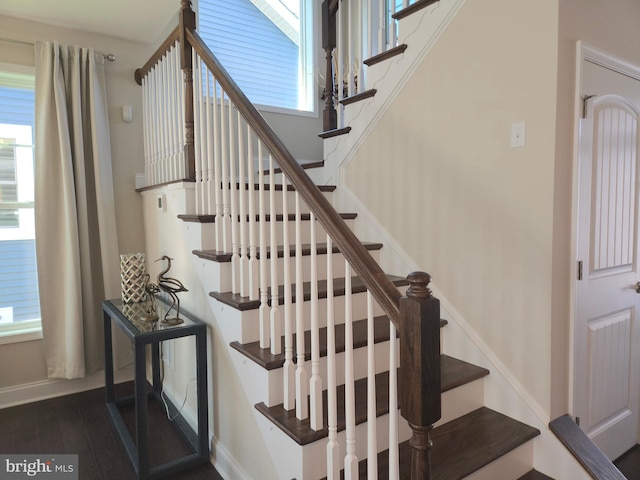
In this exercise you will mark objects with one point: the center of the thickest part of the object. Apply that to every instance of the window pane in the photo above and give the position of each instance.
(258, 46)
(19, 301)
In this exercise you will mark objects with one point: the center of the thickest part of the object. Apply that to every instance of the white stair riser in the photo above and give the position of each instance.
(337, 262)
(291, 201)
(315, 454)
(274, 393)
(512, 465)
(248, 321)
(305, 232)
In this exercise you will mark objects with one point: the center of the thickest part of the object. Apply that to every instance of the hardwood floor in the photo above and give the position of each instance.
(80, 424)
(629, 463)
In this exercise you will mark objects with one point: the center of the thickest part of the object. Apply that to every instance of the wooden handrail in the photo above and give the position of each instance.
(382, 289)
(157, 55)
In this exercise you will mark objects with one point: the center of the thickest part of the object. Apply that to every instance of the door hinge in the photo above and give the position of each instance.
(585, 99)
(580, 270)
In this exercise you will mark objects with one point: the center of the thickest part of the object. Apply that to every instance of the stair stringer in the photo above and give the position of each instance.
(421, 32)
(503, 392)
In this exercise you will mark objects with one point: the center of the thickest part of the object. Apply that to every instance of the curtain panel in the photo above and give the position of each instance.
(76, 243)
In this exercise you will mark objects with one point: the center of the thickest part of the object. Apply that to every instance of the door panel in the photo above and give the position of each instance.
(606, 383)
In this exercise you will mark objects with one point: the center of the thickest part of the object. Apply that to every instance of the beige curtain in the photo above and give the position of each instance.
(76, 246)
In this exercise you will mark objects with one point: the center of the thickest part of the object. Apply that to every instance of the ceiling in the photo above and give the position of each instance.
(139, 20)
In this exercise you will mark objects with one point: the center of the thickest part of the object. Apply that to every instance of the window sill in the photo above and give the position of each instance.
(26, 333)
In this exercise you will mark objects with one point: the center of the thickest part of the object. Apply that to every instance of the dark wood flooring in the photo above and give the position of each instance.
(629, 463)
(80, 424)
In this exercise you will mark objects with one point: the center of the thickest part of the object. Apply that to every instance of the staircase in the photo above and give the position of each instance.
(470, 441)
(314, 344)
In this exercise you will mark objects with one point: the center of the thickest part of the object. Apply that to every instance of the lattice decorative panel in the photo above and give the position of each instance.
(132, 278)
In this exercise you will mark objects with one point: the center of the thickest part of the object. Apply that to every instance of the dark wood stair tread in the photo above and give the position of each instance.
(584, 450)
(358, 97)
(305, 217)
(381, 57)
(305, 164)
(534, 475)
(413, 8)
(357, 286)
(268, 361)
(321, 249)
(334, 133)
(454, 373)
(463, 446)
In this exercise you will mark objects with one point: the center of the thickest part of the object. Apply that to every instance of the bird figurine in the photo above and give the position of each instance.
(150, 290)
(172, 287)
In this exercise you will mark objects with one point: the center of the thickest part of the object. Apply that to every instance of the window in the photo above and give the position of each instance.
(19, 300)
(267, 47)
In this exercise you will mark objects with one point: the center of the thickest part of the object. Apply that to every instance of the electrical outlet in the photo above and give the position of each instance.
(517, 134)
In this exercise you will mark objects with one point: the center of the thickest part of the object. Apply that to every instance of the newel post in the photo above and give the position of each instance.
(330, 116)
(188, 22)
(420, 368)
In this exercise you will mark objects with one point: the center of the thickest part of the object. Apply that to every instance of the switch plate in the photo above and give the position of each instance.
(517, 134)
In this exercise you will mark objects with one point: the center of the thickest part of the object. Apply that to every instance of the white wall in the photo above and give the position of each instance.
(439, 173)
(239, 448)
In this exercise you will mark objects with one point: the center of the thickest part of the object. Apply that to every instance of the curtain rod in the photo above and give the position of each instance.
(107, 56)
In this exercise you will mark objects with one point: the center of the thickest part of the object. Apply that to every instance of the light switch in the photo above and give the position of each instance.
(517, 134)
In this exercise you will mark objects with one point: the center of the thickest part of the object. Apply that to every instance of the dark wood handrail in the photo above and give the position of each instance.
(157, 55)
(382, 289)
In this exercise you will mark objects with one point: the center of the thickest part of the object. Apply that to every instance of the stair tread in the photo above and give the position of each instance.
(268, 361)
(359, 96)
(534, 475)
(414, 7)
(464, 445)
(454, 372)
(305, 164)
(305, 217)
(381, 57)
(241, 303)
(321, 249)
(335, 132)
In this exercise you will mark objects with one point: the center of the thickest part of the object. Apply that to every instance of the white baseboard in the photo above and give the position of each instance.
(224, 462)
(55, 387)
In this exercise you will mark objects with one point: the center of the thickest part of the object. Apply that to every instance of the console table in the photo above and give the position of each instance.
(130, 319)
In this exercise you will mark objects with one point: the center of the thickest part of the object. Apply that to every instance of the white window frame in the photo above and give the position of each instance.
(26, 330)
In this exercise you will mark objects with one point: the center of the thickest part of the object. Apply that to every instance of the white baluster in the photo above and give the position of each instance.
(253, 238)
(224, 140)
(146, 115)
(342, 45)
(171, 110)
(262, 233)
(217, 168)
(210, 186)
(315, 388)
(394, 457)
(198, 130)
(372, 439)
(275, 320)
(382, 22)
(350, 459)
(393, 27)
(289, 366)
(242, 180)
(333, 448)
(153, 127)
(302, 386)
(351, 49)
(233, 194)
